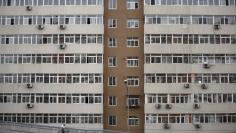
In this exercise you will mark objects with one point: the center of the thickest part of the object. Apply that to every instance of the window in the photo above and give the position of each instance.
(52, 118)
(112, 23)
(132, 42)
(112, 120)
(132, 23)
(133, 101)
(179, 98)
(151, 118)
(132, 81)
(112, 42)
(132, 4)
(133, 121)
(51, 78)
(112, 4)
(112, 101)
(132, 62)
(111, 61)
(111, 81)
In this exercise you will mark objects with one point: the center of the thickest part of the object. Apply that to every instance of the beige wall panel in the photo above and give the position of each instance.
(190, 10)
(52, 10)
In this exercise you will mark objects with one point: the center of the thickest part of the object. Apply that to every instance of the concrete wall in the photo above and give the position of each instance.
(52, 10)
(193, 10)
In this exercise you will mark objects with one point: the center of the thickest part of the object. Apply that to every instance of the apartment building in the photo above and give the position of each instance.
(189, 68)
(51, 69)
(122, 65)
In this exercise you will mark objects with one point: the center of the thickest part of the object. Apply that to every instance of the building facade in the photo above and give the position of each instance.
(123, 65)
(189, 66)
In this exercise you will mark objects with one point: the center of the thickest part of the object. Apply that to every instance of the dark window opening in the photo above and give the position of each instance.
(226, 2)
(136, 5)
(9, 3)
(152, 2)
(30, 21)
(88, 21)
(12, 21)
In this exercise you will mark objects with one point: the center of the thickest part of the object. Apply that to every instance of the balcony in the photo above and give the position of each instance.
(188, 68)
(189, 48)
(187, 28)
(189, 107)
(52, 29)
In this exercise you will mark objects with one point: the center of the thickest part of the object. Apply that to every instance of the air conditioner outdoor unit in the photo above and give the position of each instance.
(30, 105)
(216, 26)
(204, 86)
(62, 27)
(29, 8)
(40, 27)
(166, 126)
(186, 86)
(62, 46)
(196, 106)
(168, 106)
(157, 106)
(197, 126)
(29, 85)
(206, 65)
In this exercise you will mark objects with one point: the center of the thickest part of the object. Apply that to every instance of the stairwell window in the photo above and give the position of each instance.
(132, 4)
(132, 23)
(132, 61)
(132, 42)
(133, 101)
(133, 121)
(133, 81)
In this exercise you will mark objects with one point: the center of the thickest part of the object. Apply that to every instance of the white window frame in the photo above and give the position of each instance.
(112, 117)
(132, 121)
(132, 23)
(113, 100)
(131, 80)
(112, 4)
(112, 23)
(133, 101)
(112, 62)
(114, 80)
(131, 4)
(132, 61)
(132, 42)
(112, 42)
